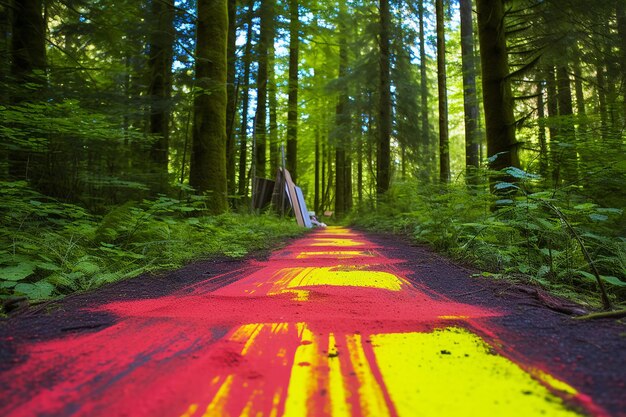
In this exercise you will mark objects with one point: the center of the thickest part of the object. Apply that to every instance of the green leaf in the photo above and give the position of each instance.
(504, 185)
(610, 210)
(493, 158)
(38, 290)
(47, 266)
(543, 271)
(606, 278)
(87, 267)
(585, 206)
(17, 272)
(521, 174)
(504, 202)
(598, 217)
(613, 280)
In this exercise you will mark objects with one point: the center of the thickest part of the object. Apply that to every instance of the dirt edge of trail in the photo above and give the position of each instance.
(590, 353)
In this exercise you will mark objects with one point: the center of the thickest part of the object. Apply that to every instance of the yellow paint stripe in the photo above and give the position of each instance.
(190, 411)
(246, 334)
(371, 398)
(303, 378)
(336, 387)
(304, 277)
(454, 372)
(216, 407)
(345, 254)
(552, 382)
(325, 241)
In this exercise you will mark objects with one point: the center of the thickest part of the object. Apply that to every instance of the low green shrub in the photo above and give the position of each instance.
(49, 249)
(513, 231)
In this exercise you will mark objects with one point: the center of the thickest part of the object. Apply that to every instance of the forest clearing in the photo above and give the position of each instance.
(158, 159)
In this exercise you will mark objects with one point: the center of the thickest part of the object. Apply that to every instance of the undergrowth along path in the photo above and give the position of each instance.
(335, 324)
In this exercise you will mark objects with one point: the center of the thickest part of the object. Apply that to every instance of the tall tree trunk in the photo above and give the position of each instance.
(341, 132)
(347, 178)
(323, 179)
(265, 42)
(243, 130)
(569, 160)
(5, 50)
(316, 203)
(359, 170)
(444, 145)
(470, 102)
(425, 152)
(541, 133)
(28, 66)
(383, 160)
(613, 80)
(292, 105)
(5, 60)
(231, 91)
(620, 9)
(208, 156)
(602, 100)
(578, 86)
(272, 102)
(497, 97)
(553, 112)
(580, 96)
(160, 89)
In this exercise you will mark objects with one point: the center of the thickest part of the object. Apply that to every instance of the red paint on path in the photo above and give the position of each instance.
(237, 349)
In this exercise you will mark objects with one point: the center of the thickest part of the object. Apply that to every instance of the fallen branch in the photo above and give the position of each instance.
(603, 315)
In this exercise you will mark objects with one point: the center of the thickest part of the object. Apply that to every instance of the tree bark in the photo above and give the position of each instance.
(231, 91)
(497, 98)
(5, 63)
(425, 152)
(272, 101)
(444, 145)
(292, 104)
(28, 66)
(266, 36)
(208, 156)
(602, 100)
(342, 128)
(569, 159)
(383, 160)
(160, 89)
(553, 127)
(470, 102)
(620, 11)
(541, 133)
(243, 130)
(316, 203)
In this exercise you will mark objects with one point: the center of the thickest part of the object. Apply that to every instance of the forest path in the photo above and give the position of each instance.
(335, 324)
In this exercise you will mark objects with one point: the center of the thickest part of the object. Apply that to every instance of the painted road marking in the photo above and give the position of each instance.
(312, 276)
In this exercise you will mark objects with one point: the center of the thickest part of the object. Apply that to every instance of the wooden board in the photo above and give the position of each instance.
(303, 209)
(293, 198)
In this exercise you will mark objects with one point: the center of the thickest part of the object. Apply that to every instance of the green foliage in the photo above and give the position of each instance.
(50, 248)
(513, 232)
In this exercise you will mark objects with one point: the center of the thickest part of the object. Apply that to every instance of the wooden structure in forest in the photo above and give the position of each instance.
(279, 193)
